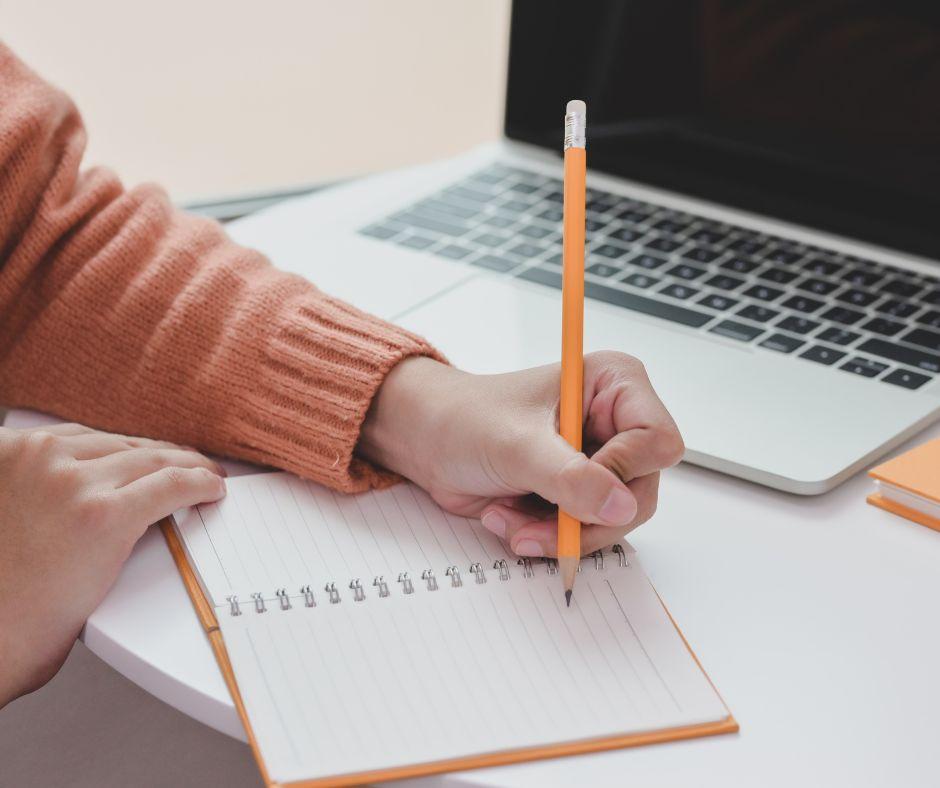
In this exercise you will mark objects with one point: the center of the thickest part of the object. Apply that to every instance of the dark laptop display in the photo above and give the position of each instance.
(823, 112)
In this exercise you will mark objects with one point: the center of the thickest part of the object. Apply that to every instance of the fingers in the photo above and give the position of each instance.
(93, 444)
(159, 494)
(534, 537)
(636, 434)
(584, 488)
(124, 467)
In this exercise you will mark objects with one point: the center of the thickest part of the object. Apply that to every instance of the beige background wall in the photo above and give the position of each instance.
(209, 98)
(216, 96)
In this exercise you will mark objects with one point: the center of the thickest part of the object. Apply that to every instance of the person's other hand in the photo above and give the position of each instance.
(73, 501)
(481, 445)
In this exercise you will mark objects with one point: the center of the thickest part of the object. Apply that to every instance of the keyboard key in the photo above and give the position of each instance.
(928, 362)
(663, 245)
(734, 330)
(521, 187)
(906, 379)
(901, 287)
(688, 272)
(490, 239)
(626, 234)
(779, 275)
(473, 195)
(862, 278)
(679, 291)
(441, 206)
(528, 251)
(896, 308)
(707, 236)
(932, 298)
(724, 282)
(719, 302)
(534, 231)
(642, 280)
(671, 226)
(924, 338)
(782, 343)
(803, 304)
(864, 367)
(817, 286)
(841, 314)
(822, 355)
(701, 255)
(432, 224)
(552, 215)
(838, 336)
(515, 206)
(500, 221)
(453, 251)
(879, 325)
(740, 264)
(747, 245)
(610, 251)
(783, 255)
(930, 319)
(759, 314)
(648, 261)
(647, 306)
(602, 269)
(820, 266)
(857, 297)
(416, 242)
(763, 293)
(798, 325)
(554, 259)
(380, 231)
(494, 263)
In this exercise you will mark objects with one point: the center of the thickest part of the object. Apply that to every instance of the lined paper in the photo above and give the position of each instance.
(413, 678)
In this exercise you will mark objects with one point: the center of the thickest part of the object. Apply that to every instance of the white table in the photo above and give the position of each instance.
(817, 619)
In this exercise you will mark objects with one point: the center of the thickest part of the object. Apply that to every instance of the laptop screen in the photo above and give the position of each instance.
(822, 112)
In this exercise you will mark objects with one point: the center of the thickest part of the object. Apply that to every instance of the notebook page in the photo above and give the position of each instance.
(471, 667)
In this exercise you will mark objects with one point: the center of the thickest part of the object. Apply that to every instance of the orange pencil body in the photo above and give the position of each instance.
(572, 330)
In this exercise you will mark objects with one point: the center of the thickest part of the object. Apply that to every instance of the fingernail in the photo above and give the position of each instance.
(529, 548)
(495, 524)
(220, 469)
(619, 508)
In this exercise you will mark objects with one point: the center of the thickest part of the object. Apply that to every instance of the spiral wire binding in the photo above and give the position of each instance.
(406, 585)
(380, 583)
(427, 575)
(358, 593)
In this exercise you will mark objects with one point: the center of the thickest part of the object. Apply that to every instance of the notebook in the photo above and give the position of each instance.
(376, 636)
(909, 485)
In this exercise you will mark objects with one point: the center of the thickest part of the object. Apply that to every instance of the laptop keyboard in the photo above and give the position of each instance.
(859, 316)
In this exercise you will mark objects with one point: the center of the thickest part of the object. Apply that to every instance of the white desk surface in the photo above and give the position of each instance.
(815, 617)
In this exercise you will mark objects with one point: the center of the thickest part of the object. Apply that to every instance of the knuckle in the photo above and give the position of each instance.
(93, 511)
(40, 443)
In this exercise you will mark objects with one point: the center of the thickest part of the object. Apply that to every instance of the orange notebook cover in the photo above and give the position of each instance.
(916, 472)
(207, 616)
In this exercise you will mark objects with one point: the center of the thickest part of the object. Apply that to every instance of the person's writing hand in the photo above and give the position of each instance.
(73, 502)
(481, 444)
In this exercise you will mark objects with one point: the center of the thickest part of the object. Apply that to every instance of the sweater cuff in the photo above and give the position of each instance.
(318, 374)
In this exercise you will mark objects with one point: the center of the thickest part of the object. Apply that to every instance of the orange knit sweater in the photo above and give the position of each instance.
(122, 313)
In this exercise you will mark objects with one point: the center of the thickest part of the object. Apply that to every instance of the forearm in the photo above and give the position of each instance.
(122, 313)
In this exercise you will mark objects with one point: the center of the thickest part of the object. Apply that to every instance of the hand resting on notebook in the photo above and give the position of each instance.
(480, 444)
(73, 501)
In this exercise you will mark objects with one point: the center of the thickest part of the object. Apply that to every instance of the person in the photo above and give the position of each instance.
(121, 313)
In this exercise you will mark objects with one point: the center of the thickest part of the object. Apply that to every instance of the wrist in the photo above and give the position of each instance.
(406, 415)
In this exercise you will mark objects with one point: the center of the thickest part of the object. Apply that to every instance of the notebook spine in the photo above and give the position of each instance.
(407, 585)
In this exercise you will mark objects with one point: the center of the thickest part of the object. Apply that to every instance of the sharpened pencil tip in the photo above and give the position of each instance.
(568, 597)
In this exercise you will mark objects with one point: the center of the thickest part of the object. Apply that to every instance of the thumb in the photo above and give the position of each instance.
(585, 489)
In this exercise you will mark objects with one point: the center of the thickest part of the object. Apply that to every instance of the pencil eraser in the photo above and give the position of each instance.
(576, 105)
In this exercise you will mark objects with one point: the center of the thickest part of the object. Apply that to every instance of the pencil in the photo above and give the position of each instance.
(572, 325)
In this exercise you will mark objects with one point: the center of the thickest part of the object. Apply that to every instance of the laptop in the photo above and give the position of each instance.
(762, 222)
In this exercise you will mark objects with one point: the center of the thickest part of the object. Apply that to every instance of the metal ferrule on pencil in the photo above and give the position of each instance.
(575, 127)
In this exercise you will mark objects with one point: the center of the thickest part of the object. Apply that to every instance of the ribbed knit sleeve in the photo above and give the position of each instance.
(122, 313)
